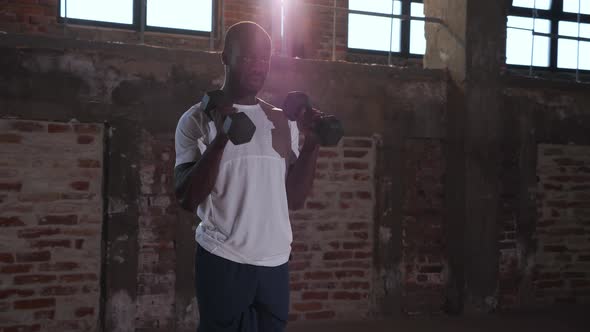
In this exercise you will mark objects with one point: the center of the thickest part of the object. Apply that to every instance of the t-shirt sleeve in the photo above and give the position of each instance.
(191, 137)
(294, 140)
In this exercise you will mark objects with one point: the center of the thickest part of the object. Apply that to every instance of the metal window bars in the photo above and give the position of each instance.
(335, 9)
(555, 37)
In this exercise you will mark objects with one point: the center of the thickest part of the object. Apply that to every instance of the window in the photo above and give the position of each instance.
(180, 16)
(551, 34)
(372, 27)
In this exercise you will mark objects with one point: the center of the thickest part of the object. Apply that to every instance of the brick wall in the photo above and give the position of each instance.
(333, 236)
(562, 262)
(423, 240)
(50, 225)
(157, 216)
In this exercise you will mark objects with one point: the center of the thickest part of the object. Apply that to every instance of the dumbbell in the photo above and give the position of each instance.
(328, 128)
(237, 126)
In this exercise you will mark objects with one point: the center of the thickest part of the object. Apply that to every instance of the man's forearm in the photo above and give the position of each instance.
(301, 175)
(202, 176)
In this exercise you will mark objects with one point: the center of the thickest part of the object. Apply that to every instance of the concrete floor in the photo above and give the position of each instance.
(569, 320)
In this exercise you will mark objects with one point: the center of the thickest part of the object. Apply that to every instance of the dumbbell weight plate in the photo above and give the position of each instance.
(239, 128)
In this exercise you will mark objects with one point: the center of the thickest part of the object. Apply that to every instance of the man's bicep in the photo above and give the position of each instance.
(190, 139)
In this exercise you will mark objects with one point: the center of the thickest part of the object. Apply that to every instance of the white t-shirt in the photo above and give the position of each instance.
(245, 218)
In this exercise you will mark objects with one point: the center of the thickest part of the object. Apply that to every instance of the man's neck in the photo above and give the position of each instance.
(237, 97)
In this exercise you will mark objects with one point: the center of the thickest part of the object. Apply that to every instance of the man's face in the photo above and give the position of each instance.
(249, 63)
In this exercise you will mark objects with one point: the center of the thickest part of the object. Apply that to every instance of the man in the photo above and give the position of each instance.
(242, 193)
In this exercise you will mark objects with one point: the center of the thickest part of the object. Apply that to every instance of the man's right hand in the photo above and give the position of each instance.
(219, 114)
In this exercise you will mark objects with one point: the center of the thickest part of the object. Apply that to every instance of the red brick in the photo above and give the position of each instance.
(34, 304)
(335, 255)
(549, 186)
(36, 256)
(356, 264)
(298, 247)
(580, 283)
(321, 166)
(6, 293)
(17, 268)
(34, 279)
(6, 258)
(322, 285)
(361, 235)
(27, 126)
(11, 186)
(77, 196)
(88, 163)
(11, 222)
(327, 226)
(4, 306)
(345, 205)
(581, 258)
(355, 153)
(355, 285)
(349, 274)
(298, 266)
(71, 219)
(318, 275)
(59, 290)
(327, 154)
(86, 129)
(314, 296)
(307, 306)
(85, 139)
(363, 254)
(84, 311)
(80, 185)
(79, 243)
(355, 245)
(32, 233)
(355, 226)
(363, 195)
(39, 197)
(346, 296)
(297, 286)
(21, 328)
(78, 277)
(345, 195)
(44, 315)
(580, 178)
(51, 244)
(574, 275)
(361, 177)
(10, 138)
(357, 143)
(356, 165)
(316, 205)
(293, 317)
(58, 128)
(320, 315)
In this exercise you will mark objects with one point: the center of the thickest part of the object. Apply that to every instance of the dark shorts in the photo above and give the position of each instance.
(240, 297)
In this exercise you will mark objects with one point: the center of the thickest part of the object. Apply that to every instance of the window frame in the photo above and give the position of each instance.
(404, 33)
(554, 14)
(138, 19)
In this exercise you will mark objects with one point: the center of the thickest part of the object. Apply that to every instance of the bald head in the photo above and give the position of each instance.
(245, 33)
(246, 56)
